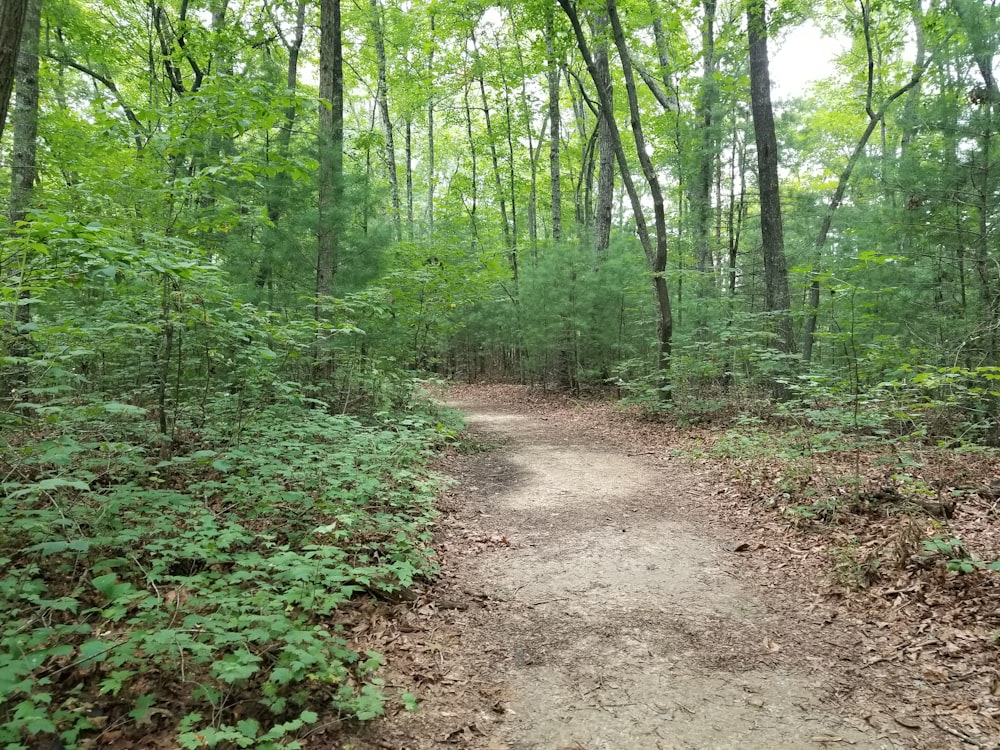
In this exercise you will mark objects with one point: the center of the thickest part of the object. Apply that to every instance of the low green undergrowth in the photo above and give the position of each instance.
(201, 591)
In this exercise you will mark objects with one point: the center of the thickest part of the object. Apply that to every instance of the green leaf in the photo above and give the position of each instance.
(95, 650)
(117, 407)
(54, 483)
(239, 665)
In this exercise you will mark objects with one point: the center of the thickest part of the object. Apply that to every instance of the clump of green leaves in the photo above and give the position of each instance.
(952, 552)
(210, 579)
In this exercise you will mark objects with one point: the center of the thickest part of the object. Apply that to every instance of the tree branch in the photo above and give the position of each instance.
(137, 127)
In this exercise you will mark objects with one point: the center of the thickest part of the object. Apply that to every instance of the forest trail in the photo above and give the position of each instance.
(589, 609)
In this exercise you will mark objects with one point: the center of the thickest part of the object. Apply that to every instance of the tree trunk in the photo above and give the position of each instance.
(701, 194)
(474, 181)
(12, 14)
(656, 256)
(555, 117)
(511, 181)
(331, 148)
(24, 167)
(497, 179)
(408, 137)
(431, 176)
(874, 118)
(274, 207)
(777, 300)
(605, 142)
(707, 156)
(382, 101)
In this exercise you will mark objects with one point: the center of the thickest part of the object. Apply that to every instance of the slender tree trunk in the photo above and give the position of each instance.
(511, 181)
(12, 14)
(282, 181)
(605, 143)
(409, 178)
(431, 176)
(555, 121)
(874, 118)
(777, 300)
(331, 148)
(701, 197)
(497, 179)
(584, 187)
(474, 182)
(382, 101)
(737, 207)
(532, 156)
(656, 255)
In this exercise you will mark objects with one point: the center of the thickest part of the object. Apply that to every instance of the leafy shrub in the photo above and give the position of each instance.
(211, 578)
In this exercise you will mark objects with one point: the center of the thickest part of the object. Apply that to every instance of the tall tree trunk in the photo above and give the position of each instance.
(584, 187)
(605, 142)
(707, 157)
(431, 176)
(282, 181)
(532, 155)
(874, 118)
(474, 181)
(24, 167)
(12, 14)
(331, 149)
(701, 193)
(408, 142)
(382, 101)
(497, 179)
(511, 182)
(555, 117)
(777, 300)
(656, 255)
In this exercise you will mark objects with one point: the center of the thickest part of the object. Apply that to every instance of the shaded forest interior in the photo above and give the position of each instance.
(238, 236)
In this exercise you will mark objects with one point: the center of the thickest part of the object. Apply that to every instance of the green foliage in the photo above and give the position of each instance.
(215, 571)
(955, 555)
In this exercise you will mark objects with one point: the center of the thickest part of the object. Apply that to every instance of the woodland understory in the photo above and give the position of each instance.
(242, 236)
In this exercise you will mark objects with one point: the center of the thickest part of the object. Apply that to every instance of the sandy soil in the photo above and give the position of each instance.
(588, 602)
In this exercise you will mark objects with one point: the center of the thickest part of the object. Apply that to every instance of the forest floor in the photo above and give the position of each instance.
(600, 591)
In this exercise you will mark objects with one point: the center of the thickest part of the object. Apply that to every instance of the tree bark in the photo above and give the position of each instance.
(555, 120)
(382, 101)
(874, 118)
(12, 14)
(777, 300)
(24, 166)
(605, 143)
(497, 179)
(431, 176)
(656, 255)
(701, 198)
(331, 148)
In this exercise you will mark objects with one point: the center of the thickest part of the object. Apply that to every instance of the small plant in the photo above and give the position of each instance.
(954, 553)
(856, 567)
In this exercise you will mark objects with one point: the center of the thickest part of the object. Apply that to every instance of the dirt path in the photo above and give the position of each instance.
(584, 607)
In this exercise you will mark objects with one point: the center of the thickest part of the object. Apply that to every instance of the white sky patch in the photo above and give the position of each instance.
(801, 59)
